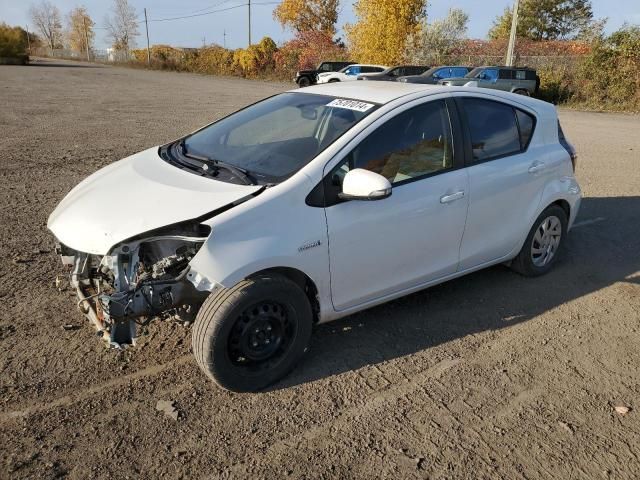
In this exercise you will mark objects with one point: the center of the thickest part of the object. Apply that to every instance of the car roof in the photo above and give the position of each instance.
(385, 92)
(449, 66)
(368, 65)
(504, 67)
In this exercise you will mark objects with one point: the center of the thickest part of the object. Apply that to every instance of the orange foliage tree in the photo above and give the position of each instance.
(308, 15)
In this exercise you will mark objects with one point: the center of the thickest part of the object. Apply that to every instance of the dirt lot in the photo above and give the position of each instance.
(489, 376)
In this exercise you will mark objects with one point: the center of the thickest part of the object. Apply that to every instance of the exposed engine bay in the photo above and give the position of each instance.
(137, 281)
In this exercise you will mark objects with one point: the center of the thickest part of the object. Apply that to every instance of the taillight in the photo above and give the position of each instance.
(568, 147)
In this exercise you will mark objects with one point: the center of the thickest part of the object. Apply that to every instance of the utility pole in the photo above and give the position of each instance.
(86, 37)
(511, 58)
(28, 39)
(146, 25)
(224, 38)
(249, 5)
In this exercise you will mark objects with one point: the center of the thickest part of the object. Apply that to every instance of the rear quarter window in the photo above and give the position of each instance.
(496, 129)
(526, 124)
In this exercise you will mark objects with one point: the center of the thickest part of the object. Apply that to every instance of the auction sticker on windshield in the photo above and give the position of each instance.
(350, 104)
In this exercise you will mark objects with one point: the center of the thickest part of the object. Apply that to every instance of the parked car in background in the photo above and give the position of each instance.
(435, 74)
(521, 80)
(312, 205)
(349, 73)
(304, 78)
(393, 73)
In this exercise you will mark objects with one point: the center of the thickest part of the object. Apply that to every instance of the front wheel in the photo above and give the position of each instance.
(542, 246)
(522, 91)
(333, 80)
(304, 82)
(251, 335)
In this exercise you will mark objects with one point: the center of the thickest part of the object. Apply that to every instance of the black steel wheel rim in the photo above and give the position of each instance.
(261, 335)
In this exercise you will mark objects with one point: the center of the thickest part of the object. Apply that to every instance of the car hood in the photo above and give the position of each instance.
(417, 79)
(134, 195)
(458, 80)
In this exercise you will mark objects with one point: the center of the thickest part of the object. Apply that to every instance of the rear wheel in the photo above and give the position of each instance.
(333, 80)
(542, 246)
(304, 82)
(251, 335)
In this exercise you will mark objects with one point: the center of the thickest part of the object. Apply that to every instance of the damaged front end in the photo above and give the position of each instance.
(138, 280)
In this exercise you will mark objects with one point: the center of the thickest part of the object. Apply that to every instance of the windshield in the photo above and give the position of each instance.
(474, 73)
(275, 138)
(430, 71)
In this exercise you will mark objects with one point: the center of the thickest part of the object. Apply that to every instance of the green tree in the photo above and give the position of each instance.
(383, 27)
(308, 15)
(609, 72)
(546, 20)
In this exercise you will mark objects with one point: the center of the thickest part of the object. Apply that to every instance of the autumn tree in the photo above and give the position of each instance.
(437, 38)
(122, 26)
(308, 15)
(80, 33)
(13, 41)
(46, 18)
(256, 58)
(383, 27)
(546, 20)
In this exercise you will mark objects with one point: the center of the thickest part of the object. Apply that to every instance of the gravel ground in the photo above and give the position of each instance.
(489, 376)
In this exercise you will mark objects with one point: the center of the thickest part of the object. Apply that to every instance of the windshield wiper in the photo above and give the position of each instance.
(219, 164)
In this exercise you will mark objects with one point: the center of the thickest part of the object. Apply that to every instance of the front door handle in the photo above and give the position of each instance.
(452, 197)
(537, 167)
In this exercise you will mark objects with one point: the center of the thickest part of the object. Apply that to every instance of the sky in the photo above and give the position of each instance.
(231, 18)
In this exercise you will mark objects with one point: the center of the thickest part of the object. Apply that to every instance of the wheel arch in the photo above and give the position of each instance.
(301, 279)
(544, 204)
(562, 203)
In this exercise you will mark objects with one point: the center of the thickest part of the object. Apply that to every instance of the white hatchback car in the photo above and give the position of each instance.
(312, 205)
(349, 73)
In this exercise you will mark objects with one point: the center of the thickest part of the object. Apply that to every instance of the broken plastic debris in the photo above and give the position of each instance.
(622, 409)
(168, 407)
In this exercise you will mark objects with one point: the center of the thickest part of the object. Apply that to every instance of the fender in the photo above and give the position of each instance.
(249, 238)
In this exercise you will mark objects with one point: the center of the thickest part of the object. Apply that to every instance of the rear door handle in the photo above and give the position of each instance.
(537, 167)
(452, 197)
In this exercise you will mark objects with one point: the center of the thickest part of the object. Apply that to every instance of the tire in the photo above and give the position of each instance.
(333, 80)
(304, 82)
(522, 91)
(249, 336)
(539, 252)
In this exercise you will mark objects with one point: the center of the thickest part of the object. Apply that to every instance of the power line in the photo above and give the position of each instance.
(197, 14)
